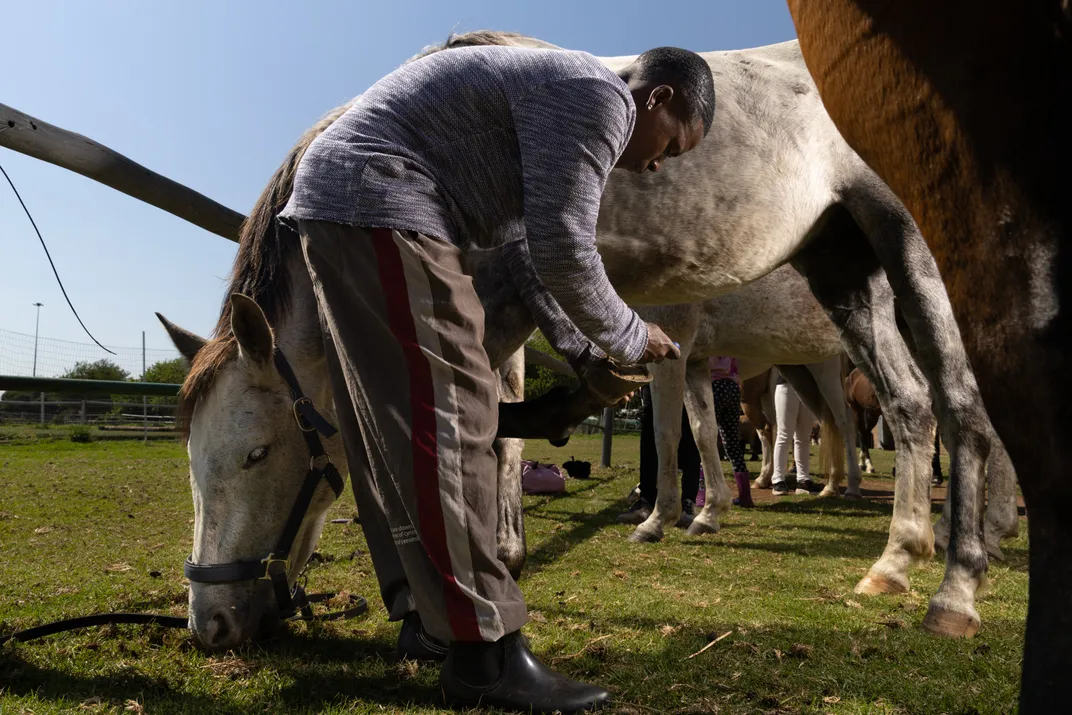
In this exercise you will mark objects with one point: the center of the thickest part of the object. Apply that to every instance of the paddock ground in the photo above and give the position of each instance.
(105, 527)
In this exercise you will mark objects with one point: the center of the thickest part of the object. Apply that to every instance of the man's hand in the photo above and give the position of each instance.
(660, 346)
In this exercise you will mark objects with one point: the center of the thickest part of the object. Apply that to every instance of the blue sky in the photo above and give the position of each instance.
(212, 94)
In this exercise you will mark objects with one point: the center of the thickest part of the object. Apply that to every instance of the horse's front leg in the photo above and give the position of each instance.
(699, 402)
(667, 396)
(510, 534)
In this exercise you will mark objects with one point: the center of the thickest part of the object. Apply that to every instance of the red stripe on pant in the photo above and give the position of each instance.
(433, 533)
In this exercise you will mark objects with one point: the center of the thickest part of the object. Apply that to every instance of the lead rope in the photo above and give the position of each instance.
(358, 607)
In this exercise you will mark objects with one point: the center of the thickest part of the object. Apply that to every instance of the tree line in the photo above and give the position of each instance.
(166, 371)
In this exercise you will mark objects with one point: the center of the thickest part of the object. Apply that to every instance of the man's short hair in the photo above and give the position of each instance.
(689, 72)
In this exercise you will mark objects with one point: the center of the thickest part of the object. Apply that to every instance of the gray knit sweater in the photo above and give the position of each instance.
(486, 146)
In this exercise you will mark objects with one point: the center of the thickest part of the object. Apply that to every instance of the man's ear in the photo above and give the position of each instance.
(660, 95)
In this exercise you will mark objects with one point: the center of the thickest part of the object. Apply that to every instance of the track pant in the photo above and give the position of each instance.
(417, 404)
(794, 422)
(688, 455)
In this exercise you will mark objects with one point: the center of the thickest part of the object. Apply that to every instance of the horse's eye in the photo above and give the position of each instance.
(255, 456)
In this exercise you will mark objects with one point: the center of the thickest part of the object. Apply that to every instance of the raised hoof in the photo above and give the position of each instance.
(874, 584)
(951, 624)
(698, 528)
(994, 552)
(644, 537)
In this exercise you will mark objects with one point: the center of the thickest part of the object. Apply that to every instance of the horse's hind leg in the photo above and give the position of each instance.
(1002, 520)
(846, 278)
(510, 534)
(965, 426)
(699, 401)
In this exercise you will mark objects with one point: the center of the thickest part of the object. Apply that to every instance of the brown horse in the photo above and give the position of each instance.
(865, 413)
(962, 108)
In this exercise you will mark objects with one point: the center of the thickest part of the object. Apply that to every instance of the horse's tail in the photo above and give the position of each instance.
(831, 447)
(262, 240)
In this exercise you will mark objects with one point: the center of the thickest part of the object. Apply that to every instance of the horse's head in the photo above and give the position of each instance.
(249, 458)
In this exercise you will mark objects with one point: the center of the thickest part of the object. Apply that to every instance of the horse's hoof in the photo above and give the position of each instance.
(644, 537)
(761, 483)
(951, 624)
(829, 491)
(994, 552)
(698, 528)
(873, 584)
(850, 495)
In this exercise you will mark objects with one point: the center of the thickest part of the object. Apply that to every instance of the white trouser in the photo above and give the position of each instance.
(794, 420)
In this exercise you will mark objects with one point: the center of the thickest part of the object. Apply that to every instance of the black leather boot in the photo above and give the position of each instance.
(505, 674)
(414, 643)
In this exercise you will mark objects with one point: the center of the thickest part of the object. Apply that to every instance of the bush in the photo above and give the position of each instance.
(539, 380)
(81, 435)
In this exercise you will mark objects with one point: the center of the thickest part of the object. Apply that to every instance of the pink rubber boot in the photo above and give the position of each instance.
(744, 491)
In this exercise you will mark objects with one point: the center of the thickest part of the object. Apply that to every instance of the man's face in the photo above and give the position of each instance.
(660, 131)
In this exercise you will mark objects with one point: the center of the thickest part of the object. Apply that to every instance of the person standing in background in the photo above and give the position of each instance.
(727, 397)
(794, 421)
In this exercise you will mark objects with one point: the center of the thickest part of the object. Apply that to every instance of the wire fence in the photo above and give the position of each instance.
(56, 358)
(104, 414)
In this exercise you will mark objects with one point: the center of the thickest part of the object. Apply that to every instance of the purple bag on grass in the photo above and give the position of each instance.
(539, 478)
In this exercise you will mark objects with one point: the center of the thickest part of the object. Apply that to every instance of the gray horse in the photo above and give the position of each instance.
(773, 183)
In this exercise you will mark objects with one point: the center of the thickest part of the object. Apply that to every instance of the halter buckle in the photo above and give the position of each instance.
(298, 416)
(268, 566)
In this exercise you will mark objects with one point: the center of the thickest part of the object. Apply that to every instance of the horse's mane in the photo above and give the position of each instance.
(266, 246)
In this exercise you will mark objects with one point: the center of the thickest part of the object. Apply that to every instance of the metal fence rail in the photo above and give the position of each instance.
(83, 411)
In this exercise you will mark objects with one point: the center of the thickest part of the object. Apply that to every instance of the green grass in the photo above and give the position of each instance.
(83, 528)
(23, 434)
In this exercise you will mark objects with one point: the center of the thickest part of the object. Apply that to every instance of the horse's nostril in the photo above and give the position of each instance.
(218, 631)
(221, 628)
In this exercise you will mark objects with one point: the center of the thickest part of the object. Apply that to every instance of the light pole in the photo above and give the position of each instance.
(37, 327)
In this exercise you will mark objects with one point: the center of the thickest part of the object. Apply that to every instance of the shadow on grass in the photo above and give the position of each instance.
(20, 677)
(786, 668)
(559, 543)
